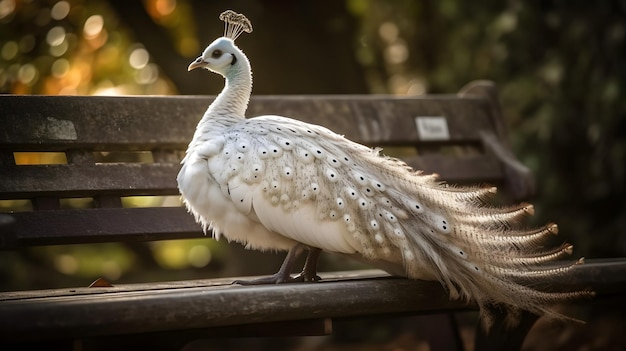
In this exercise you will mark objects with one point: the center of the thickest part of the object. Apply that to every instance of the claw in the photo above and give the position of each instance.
(308, 274)
(272, 279)
(304, 277)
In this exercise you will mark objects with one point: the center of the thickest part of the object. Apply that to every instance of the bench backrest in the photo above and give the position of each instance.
(106, 149)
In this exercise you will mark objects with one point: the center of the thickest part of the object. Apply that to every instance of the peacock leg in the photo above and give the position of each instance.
(284, 273)
(309, 271)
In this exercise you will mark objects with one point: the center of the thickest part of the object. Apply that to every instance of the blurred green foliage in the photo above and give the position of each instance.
(559, 66)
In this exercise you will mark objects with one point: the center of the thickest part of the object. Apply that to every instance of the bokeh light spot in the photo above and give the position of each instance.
(9, 50)
(66, 264)
(27, 74)
(199, 256)
(55, 36)
(111, 270)
(165, 7)
(60, 10)
(139, 58)
(388, 31)
(396, 53)
(60, 68)
(147, 75)
(6, 8)
(60, 49)
(93, 26)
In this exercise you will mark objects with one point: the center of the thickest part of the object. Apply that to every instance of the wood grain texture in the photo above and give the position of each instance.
(204, 304)
(71, 226)
(45, 123)
(184, 305)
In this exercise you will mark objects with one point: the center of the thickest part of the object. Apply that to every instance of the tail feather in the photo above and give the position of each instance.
(484, 254)
(500, 239)
(524, 259)
(477, 251)
(495, 218)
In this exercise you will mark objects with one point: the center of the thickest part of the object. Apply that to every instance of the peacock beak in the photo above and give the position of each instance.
(198, 63)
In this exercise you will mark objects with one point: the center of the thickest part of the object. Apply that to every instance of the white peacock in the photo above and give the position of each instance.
(275, 183)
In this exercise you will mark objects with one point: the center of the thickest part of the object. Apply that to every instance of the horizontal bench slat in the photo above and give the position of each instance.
(121, 179)
(37, 123)
(382, 120)
(143, 308)
(73, 226)
(130, 179)
(111, 312)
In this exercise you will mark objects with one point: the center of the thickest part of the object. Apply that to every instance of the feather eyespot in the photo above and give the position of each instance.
(287, 172)
(351, 193)
(363, 203)
(275, 151)
(415, 207)
(242, 147)
(360, 178)
(331, 174)
(339, 202)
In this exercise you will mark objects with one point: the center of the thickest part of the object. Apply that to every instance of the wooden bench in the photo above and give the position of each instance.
(461, 137)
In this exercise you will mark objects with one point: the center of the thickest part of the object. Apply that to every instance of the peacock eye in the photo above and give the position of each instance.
(216, 53)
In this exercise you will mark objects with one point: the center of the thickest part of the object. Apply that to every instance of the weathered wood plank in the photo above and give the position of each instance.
(129, 179)
(144, 308)
(101, 123)
(71, 226)
(121, 179)
(35, 123)
(111, 313)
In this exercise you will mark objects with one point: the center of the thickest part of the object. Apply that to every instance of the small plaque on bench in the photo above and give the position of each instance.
(432, 128)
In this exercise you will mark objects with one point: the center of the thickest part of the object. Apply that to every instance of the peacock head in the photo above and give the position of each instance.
(222, 53)
(218, 57)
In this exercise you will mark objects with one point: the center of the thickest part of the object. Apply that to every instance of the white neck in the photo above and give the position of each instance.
(230, 105)
(232, 102)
